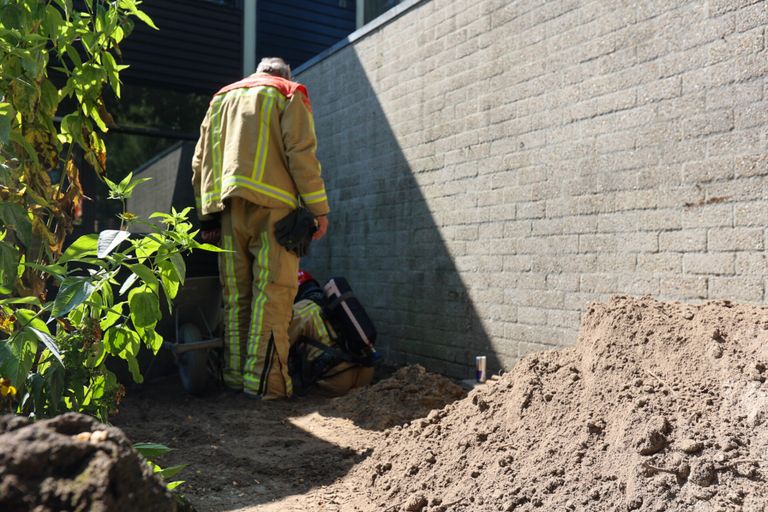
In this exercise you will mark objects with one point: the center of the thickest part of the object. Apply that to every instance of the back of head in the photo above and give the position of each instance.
(274, 66)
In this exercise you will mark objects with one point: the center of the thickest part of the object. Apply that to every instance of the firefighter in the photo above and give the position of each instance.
(254, 163)
(317, 360)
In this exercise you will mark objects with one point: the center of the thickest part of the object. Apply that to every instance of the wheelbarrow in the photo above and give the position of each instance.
(195, 325)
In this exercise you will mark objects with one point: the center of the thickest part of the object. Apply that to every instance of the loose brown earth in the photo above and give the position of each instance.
(251, 455)
(658, 407)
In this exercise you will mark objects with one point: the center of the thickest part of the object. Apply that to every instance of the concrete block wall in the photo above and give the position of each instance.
(496, 165)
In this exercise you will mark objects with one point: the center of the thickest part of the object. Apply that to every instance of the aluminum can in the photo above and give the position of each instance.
(480, 369)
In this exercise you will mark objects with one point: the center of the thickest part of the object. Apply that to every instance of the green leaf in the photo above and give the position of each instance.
(6, 117)
(49, 342)
(53, 21)
(152, 340)
(210, 248)
(95, 355)
(129, 188)
(17, 356)
(83, 246)
(57, 271)
(20, 300)
(94, 114)
(95, 389)
(109, 239)
(151, 450)
(146, 247)
(128, 283)
(113, 73)
(49, 98)
(133, 367)
(179, 266)
(9, 264)
(19, 139)
(144, 306)
(145, 274)
(173, 485)
(146, 19)
(122, 342)
(73, 292)
(30, 318)
(125, 181)
(113, 315)
(13, 215)
(170, 281)
(171, 471)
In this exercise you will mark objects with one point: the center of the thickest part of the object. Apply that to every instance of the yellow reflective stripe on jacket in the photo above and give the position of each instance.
(216, 150)
(260, 155)
(314, 197)
(262, 188)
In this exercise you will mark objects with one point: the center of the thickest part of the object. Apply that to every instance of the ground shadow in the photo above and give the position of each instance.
(240, 452)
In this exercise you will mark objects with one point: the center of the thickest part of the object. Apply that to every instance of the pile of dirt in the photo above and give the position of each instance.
(658, 407)
(73, 462)
(411, 392)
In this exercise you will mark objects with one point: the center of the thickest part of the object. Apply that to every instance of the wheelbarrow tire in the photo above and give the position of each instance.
(193, 365)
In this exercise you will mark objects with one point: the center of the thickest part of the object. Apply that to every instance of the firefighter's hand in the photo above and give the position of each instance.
(322, 227)
(211, 236)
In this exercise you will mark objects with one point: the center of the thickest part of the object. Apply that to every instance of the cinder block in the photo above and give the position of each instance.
(751, 165)
(713, 263)
(753, 213)
(659, 263)
(682, 288)
(735, 239)
(747, 288)
(751, 264)
(686, 240)
(707, 216)
(639, 284)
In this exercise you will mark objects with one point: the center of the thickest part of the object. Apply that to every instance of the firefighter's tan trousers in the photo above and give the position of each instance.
(259, 278)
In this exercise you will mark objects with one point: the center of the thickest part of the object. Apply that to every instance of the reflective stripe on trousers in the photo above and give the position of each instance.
(259, 280)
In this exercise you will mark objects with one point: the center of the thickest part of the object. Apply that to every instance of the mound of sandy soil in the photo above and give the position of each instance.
(411, 392)
(73, 462)
(658, 407)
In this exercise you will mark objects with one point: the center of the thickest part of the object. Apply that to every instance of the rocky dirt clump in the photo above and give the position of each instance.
(658, 407)
(73, 462)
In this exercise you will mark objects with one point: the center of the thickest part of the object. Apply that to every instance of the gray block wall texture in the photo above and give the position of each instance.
(495, 166)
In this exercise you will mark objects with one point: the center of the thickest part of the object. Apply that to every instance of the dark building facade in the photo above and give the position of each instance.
(199, 46)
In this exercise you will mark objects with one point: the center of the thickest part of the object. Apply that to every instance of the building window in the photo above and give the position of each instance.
(368, 10)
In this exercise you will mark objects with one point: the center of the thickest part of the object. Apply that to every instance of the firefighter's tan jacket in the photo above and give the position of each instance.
(258, 142)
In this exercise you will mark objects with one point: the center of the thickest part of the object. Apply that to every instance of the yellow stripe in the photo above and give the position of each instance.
(257, 317)
(233, 322)
(312, 195)
(260, 155)
(315, 201)
(262, 188)
(216, 151)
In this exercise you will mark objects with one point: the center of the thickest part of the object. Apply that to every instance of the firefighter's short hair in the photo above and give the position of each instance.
(274, 66)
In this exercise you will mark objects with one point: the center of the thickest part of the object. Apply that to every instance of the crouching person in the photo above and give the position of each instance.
(321, 355)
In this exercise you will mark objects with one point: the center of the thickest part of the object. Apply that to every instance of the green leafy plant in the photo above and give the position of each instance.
(110, 295)
(55, 62)
(150, 451)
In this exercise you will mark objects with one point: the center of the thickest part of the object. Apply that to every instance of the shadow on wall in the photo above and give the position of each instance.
(383, 236)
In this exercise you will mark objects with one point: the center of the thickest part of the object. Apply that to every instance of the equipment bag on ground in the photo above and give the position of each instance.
(357, 334)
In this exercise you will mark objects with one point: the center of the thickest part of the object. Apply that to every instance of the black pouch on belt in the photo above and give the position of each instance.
(295, 230)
